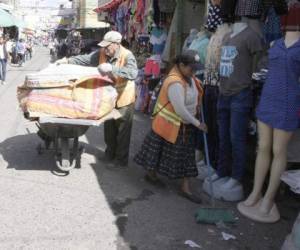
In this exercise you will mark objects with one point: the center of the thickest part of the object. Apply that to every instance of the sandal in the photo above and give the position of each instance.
(191, 197)
(154, 181)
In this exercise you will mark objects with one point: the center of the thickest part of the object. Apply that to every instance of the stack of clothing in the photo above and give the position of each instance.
(68, 91)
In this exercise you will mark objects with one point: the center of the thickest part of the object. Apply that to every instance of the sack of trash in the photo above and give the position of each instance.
(70, 91)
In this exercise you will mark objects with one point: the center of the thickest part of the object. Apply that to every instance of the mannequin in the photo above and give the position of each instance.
(234, 106)
(273, 139)
(255, 24)
(211, 92)
(237, 28)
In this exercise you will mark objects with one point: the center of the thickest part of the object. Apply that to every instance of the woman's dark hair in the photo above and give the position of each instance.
(185, 59)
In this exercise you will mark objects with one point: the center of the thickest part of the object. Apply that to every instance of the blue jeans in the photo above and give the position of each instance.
(233, 119)
(3, 63)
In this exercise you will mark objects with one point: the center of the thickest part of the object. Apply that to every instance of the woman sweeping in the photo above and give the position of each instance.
(169, 148)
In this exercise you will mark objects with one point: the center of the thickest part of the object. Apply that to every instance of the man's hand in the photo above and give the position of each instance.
(105, 68)
(62, 61)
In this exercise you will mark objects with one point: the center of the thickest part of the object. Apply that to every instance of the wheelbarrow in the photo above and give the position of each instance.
(63, 133)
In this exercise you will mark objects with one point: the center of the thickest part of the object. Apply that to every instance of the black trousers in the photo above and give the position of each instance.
(117, 134)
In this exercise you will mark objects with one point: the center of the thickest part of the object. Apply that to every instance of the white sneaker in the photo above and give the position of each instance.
(214, 177)
(230, 184)
(3, 82)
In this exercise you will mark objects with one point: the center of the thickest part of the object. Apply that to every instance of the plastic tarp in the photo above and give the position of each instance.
(6, 19)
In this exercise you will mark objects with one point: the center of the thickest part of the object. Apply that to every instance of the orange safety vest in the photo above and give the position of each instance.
(166, 122)
(124, 87)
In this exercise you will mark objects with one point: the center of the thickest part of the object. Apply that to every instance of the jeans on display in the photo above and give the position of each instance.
(233, 119)
(210, 101)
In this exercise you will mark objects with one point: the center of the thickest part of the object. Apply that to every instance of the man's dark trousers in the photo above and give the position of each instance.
(117, 135)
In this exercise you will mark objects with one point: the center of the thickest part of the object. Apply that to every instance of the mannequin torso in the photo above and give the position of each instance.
(238, 28)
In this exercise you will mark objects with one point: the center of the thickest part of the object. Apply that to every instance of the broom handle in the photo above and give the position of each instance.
(210, 171)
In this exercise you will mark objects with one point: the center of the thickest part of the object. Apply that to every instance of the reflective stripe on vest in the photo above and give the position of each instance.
(166, 122)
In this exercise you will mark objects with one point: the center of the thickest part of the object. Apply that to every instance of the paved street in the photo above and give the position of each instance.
(95, 208)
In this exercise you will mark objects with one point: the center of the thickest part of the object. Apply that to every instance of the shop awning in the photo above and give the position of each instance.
(107, 5)
(6, 19)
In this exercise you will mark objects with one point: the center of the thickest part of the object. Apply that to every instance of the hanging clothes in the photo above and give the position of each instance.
(152, 68)
(188, 41)
(121, 14)
(213, 58)
(249, 8)
(148, 15)
(158, 40)
(193, 11)
(272, 29)
(200, 45)
(228, 10)
(280, 6)
(214, 18)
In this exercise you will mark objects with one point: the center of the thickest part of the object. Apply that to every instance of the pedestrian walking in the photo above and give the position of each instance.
(169, 148)
(21, 50)
(120, 65)
(3, 60)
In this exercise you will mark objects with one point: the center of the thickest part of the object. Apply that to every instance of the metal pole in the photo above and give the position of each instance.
(179, 26)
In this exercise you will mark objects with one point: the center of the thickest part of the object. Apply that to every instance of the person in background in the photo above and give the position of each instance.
(169, 148)
(62, 49)
(29, 45)
(51, 47)
(3, 60)
(9, 49)
(21, 50)
(120, 65)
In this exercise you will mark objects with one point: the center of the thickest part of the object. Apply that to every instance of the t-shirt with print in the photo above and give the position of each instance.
(236, 64)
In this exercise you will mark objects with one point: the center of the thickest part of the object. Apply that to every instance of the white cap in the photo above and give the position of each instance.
(111, 37)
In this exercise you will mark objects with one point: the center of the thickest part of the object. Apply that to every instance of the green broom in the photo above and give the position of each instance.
(212, 215)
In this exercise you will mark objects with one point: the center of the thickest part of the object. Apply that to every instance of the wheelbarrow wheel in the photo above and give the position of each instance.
(40, 149)
(65, 163)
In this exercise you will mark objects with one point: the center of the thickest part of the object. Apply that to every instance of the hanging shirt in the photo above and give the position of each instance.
(272, 30)
(200, 45)
(212, 62)
(158, 40)
(248, 8)
(236, 64)
(214, 19)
